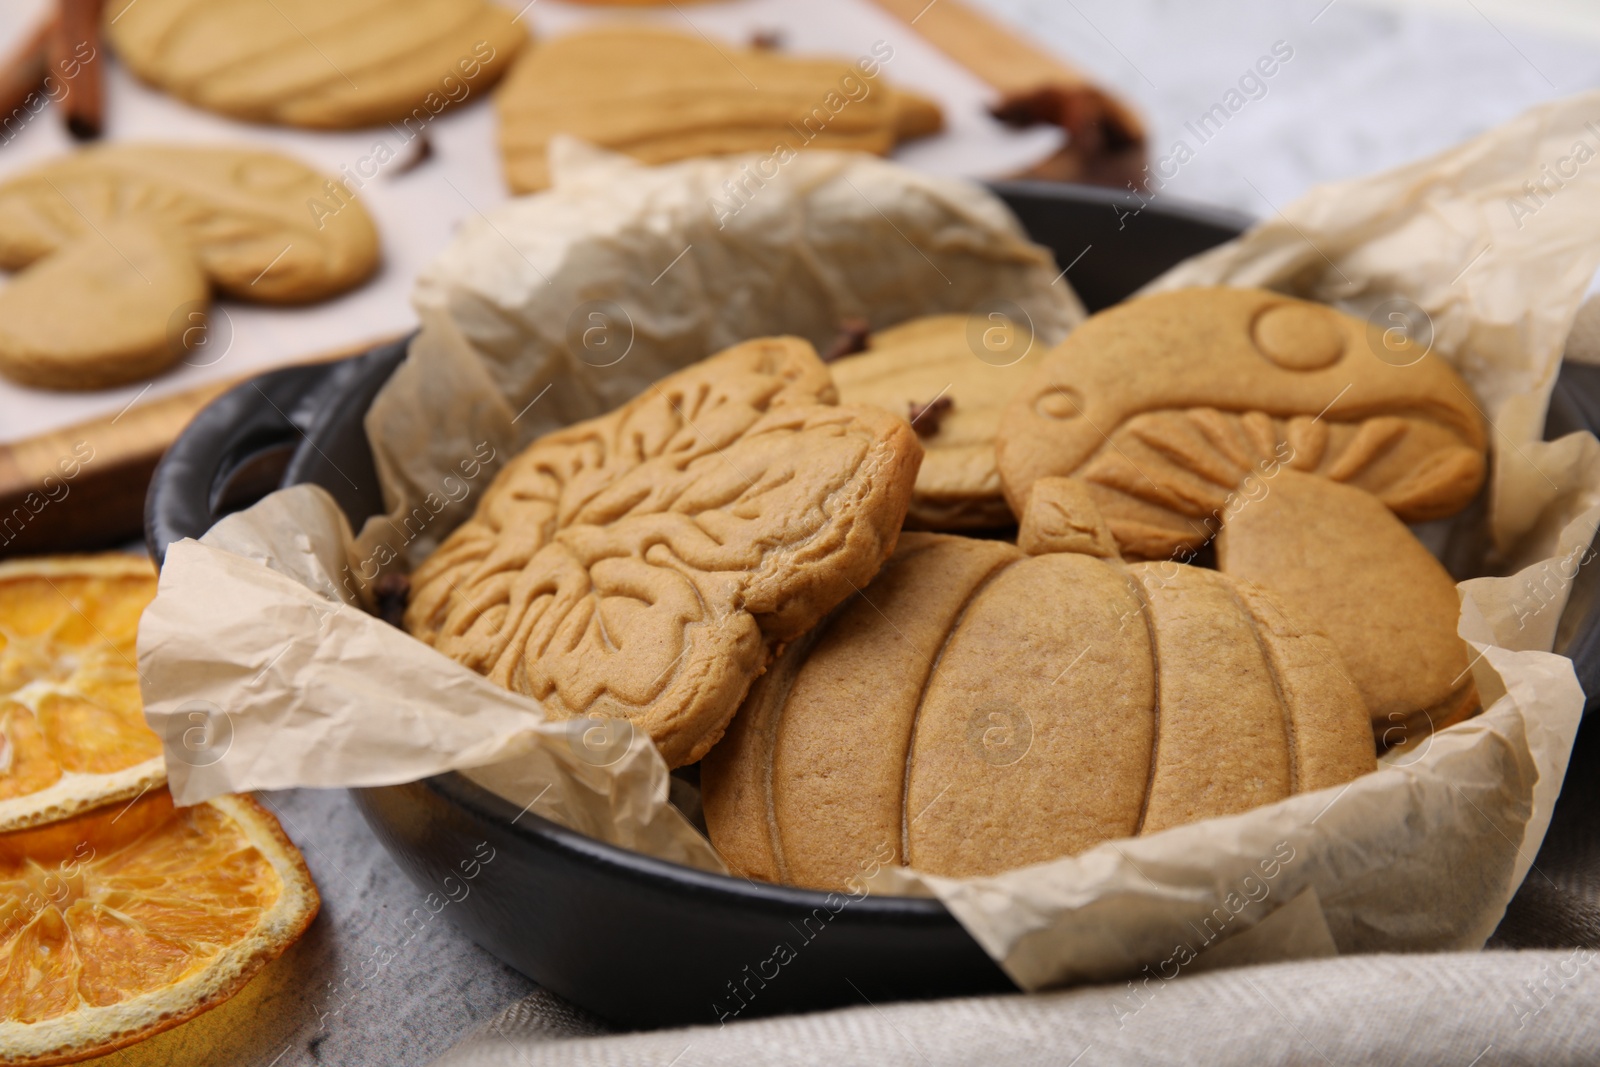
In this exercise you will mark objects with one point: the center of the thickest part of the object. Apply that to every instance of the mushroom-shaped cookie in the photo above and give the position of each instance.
(327, 64)
(644, 564)
(984, 706)
(122, 244)
(1273, 421)
(928, 370)
(660, 96)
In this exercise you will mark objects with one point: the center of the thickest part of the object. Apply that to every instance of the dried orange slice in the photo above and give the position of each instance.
(128, 920)
(72, 729)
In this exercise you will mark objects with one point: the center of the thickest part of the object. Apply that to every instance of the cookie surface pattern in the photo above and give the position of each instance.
(1165, 405)
(978, 709)
(958, 487)
(242, 212)
(1298, 441)
(643, 564)
(328, 64)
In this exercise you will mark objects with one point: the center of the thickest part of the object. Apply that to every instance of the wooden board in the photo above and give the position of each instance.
(103, 502)
(82, 487)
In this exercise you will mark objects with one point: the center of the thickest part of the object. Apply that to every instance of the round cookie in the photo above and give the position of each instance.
(325, 64)
(97, 313)
(1274, 422)
(958, 487)
(644, 565)
(979, 709)
(246, 214)
(661, 96)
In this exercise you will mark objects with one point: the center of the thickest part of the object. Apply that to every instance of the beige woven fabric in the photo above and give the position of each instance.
(1398, 1010)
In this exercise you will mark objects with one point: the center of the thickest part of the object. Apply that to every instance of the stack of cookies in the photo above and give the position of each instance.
(720, 562)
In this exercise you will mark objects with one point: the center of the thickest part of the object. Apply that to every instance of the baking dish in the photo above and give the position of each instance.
(639, 941)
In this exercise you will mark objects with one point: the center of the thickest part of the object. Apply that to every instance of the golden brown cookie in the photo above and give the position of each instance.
(98, 313)
(660, 96)
(247, 214)
(327, 64)
(1335, 554)
(979, 709)
(643, 565)
(1207, 410)
(938, 357)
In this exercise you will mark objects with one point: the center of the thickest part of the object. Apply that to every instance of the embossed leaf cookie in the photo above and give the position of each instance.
(645, 564)
(327, 64)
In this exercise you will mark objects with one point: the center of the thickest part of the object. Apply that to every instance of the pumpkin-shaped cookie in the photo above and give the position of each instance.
(661, 96)
(328, 64)
(1273, 425)
(935, 360)
(643, 564)
(980, 708)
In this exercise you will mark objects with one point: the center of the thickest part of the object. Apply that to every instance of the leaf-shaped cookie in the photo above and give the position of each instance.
(246, 214)
(660, 96)
(644, 564)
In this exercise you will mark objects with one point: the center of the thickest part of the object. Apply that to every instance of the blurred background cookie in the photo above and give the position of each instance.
(120, 246)
(328, 64)
(660, 96)
(96, 313)
(937, 372)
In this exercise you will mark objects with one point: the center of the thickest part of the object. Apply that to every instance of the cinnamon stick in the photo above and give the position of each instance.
(75, 56)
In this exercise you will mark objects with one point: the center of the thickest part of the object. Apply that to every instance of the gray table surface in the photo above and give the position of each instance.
(1368, 87)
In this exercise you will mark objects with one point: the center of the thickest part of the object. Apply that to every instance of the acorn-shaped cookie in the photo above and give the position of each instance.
(1275, 426)
(983, 706)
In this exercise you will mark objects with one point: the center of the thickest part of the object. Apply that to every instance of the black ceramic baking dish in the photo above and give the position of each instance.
(639, 941)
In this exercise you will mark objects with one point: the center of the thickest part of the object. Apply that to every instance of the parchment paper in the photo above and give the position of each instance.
(261, 669)
(1422, 854)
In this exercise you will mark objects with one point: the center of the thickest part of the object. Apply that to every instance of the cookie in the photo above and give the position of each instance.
(1205, 410)
(1334, 553)
(979, 709)
(324, 64)
(248, 215)
(643, 565)
(932, 359)
(661, 96)
(98, 312)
